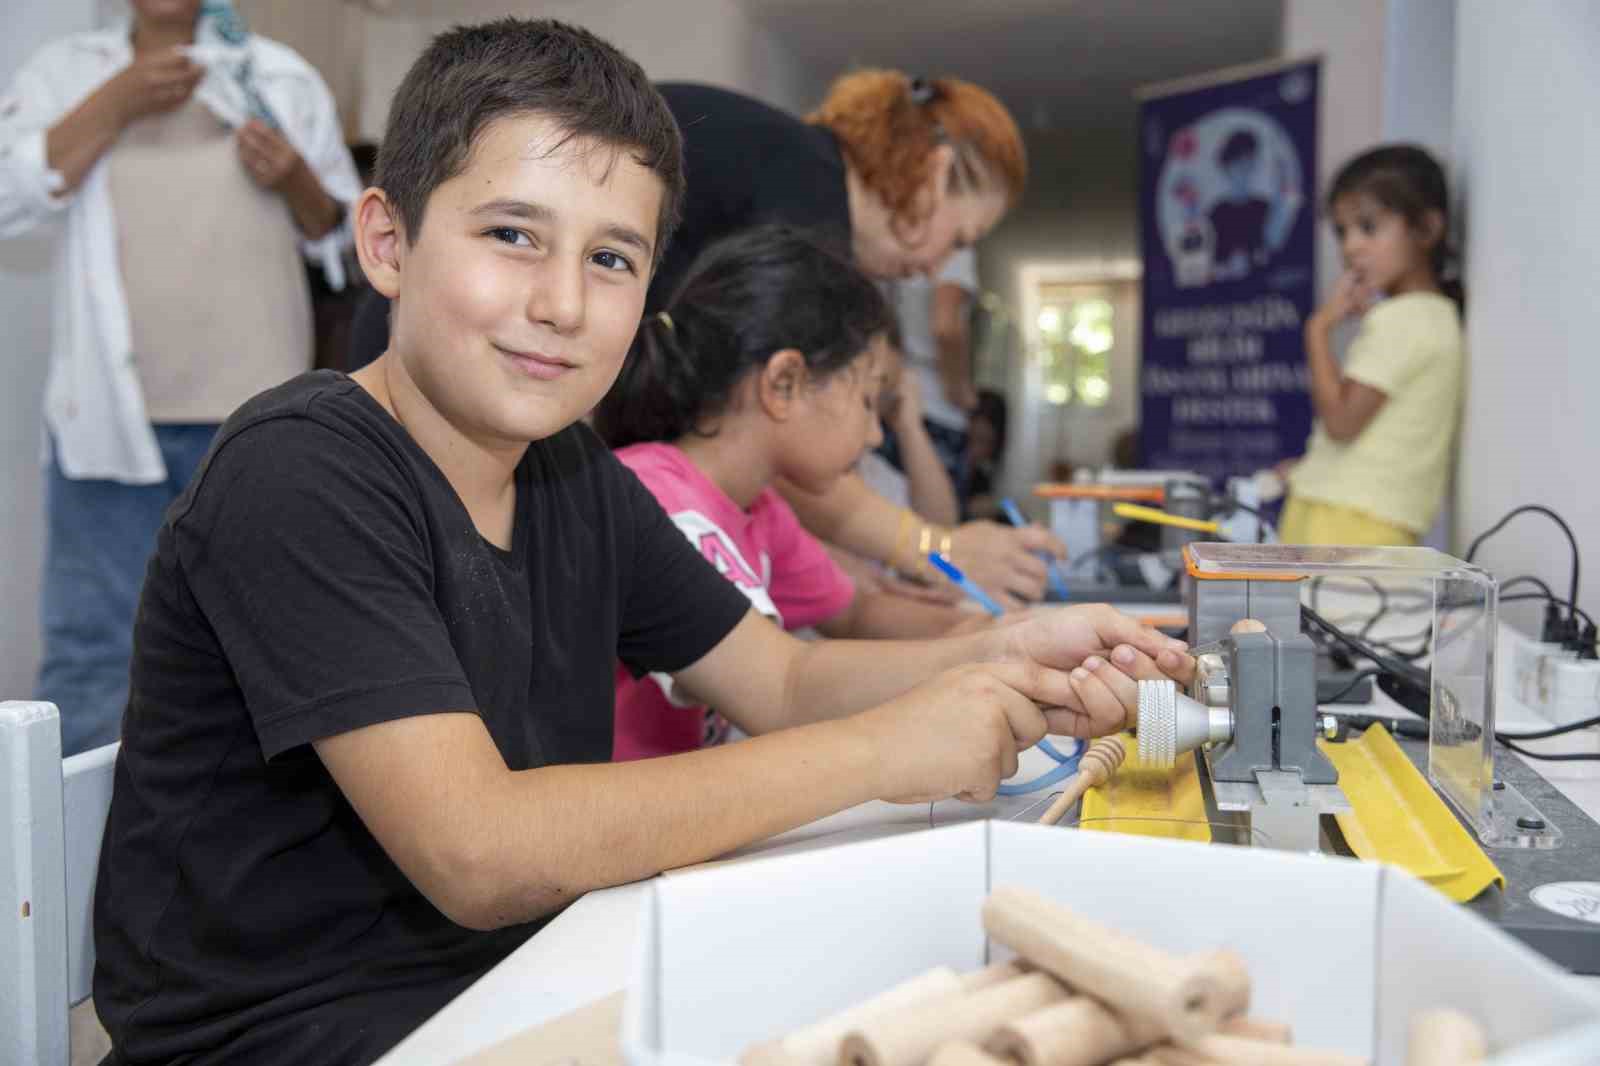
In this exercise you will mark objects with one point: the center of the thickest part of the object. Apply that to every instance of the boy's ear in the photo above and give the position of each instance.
(779, 383)
(379, 241)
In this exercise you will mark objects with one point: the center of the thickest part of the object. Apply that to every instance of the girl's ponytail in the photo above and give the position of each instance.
(746, 298)
(656, 396)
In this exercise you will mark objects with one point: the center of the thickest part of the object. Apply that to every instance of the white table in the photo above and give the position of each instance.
(586, 952)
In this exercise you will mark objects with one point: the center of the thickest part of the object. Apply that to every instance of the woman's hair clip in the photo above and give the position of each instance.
(922, 90)
(666, 320)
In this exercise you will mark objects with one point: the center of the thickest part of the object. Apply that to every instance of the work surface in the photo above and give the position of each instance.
(584, 955)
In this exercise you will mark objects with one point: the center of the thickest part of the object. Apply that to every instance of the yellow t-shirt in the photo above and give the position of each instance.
(1397, 468)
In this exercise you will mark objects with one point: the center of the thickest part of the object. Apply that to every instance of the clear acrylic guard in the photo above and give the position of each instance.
(1461, 657)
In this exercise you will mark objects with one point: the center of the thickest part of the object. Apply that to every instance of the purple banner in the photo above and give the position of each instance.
(1227, 211)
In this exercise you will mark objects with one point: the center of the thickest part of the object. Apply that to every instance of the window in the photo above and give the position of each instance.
(1076, 336)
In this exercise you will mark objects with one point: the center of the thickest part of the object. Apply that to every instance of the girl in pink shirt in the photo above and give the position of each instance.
(766, 363)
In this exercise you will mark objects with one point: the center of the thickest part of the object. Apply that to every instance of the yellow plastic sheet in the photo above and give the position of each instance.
(1149, 802)
(1396, 816)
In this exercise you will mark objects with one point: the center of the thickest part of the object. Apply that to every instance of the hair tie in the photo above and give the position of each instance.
(666, 320)
(922, 90)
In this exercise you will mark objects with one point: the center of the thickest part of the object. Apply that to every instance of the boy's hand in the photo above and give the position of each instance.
(959, 733)
(1106, 652)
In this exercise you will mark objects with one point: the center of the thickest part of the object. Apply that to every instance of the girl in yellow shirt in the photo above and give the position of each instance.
(1378, 461)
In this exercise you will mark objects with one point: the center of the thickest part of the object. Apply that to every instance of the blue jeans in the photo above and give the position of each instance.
(100, 538)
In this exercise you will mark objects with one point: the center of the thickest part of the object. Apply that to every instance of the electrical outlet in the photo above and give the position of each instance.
(1568, 687)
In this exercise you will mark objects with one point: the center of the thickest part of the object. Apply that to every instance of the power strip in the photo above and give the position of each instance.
(1554, 683)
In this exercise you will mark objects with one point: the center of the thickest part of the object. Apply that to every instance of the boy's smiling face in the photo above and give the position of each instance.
(517, 300)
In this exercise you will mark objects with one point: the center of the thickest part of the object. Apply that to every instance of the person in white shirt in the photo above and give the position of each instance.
(192, 165)
(932, 313)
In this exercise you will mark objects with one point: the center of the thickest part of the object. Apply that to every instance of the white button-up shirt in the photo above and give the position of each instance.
(94, 408)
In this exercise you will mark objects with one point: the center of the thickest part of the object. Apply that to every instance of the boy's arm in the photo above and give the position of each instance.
(492, 847)
(763, 679)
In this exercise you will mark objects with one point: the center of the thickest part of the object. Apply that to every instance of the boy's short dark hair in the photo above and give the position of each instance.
(471, 75)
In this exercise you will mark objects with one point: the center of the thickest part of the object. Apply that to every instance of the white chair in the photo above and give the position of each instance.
(52, 816)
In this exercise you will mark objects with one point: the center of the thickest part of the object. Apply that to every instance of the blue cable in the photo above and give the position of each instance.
(1067, 765)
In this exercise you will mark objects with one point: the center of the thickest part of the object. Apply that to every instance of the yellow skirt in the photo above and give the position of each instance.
(1311, 522)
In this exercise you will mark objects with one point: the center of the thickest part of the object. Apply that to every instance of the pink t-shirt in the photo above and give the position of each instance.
(784, 570)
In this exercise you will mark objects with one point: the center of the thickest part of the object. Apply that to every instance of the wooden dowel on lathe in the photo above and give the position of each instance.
(818, 1044)
(1078, 1032)
(1442, 1036)
(1258, 1029)
(1095, 768)
(963, 1053)
(908, 1036)
(1131, 977)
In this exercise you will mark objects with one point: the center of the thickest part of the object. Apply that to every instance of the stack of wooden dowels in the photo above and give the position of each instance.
(1078, 994)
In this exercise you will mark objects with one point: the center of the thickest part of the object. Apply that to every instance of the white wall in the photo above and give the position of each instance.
(713, 41)
(25, 327)
(1419, 62)
(1528, 146)
(1349, 35)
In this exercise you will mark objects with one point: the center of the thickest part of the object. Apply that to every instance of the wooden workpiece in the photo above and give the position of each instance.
(1077, 1032)
(1445, 1037)
(906, 1037)
(1241, 1051)
(1182, 998)
(992, 975)
(818, 1044)
(1257, 1029)
(1095, 768)
(963, 1053)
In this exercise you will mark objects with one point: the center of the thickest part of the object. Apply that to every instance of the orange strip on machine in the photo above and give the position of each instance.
(1232, 575)
(1058, 490)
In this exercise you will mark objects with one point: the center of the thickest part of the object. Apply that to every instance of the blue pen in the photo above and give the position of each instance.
(964, 583)
(1015, 517)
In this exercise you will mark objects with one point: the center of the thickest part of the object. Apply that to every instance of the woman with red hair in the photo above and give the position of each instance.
(898, 172)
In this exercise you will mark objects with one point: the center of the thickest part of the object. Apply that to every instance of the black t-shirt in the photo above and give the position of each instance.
(320, 575)
(747, 163)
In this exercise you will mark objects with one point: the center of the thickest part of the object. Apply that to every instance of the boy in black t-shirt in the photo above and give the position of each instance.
(364, 752)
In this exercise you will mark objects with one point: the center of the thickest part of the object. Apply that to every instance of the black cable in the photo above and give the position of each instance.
(1414, 676)
(1570, 757)
(1571, 607)
(1531, 579)
(1388, 663)
(1472, 549)
(1354, 681)
(1555, 731)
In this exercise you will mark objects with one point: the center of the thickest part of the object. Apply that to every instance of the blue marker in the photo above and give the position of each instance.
(964, 583)
(1015, 517)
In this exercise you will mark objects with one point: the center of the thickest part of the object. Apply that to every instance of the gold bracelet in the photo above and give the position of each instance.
(944, 545)
(908, 524)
